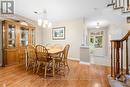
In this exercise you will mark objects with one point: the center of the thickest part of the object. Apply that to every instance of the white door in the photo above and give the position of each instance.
(97, 39)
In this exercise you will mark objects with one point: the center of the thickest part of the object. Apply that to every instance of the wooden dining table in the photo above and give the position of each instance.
(51, 51)
(54, 51)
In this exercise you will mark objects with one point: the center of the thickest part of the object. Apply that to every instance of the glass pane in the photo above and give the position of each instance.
(33, 36)
(98, 41)
(23, 36)
(11, 36)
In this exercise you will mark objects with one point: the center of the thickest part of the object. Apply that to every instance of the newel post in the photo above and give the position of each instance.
(111, 60)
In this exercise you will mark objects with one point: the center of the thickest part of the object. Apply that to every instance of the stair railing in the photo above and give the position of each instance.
(117, 57)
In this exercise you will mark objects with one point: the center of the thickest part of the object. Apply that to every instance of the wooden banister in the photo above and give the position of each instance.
(117, 58)
(126, 36)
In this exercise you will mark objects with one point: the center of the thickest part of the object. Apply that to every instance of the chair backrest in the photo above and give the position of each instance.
(31, 54)
(41, 52)
(66, 49)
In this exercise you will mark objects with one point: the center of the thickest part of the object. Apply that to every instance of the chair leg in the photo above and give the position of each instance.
(58, 64)
(27, 68)
(34, 67)
(28, 65)
(64, 65)
(45, 71)
(38, 67)
(67, 65)
(53, 70)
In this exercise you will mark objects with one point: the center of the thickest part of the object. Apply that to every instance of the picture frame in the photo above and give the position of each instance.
(128, 20)
(58, 33)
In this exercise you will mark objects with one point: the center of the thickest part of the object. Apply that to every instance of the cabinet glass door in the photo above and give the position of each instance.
(23, 36)
(11, 36)
(33, 36)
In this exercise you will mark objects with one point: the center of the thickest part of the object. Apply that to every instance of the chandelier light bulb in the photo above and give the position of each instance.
(50, 25)
(45, 22)
(44, 25)
(98, 25)
(43, 19)
(39, 22)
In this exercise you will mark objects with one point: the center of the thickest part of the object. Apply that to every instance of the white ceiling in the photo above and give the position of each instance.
(60, 9)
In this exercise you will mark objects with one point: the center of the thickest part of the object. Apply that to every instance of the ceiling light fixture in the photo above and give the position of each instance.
(98, 25)
(43, 19)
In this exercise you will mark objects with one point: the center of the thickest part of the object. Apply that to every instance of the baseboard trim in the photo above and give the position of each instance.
(86, 63)
(76, 59)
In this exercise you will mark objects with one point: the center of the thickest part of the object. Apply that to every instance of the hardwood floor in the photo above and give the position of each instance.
(79, 76)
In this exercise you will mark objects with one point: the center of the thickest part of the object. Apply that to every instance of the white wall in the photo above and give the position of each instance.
(117, 28)
(0, 43)
(73, 36)
(39, 35)
(74, 33)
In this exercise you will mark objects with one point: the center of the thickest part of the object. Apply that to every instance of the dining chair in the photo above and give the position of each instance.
(65, 51)
(43, 59)
(31, 58)
(61, 58)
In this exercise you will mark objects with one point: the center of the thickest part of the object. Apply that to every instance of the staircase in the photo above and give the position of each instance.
(123, 5)
(120, 61)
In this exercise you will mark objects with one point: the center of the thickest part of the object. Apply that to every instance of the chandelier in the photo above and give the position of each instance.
(43, 19)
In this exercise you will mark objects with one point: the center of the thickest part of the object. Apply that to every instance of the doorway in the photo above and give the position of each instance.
(98, 45)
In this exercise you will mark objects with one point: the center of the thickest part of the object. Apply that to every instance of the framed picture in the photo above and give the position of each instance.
(58, 33)
(128, 20)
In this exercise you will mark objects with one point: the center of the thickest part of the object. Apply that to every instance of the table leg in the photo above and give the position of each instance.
(26, 61)
(53, 67)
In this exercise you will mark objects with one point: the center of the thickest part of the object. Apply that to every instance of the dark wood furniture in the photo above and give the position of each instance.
(16, 36)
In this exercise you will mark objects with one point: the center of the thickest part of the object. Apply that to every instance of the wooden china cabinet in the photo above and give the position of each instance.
(16, 36)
